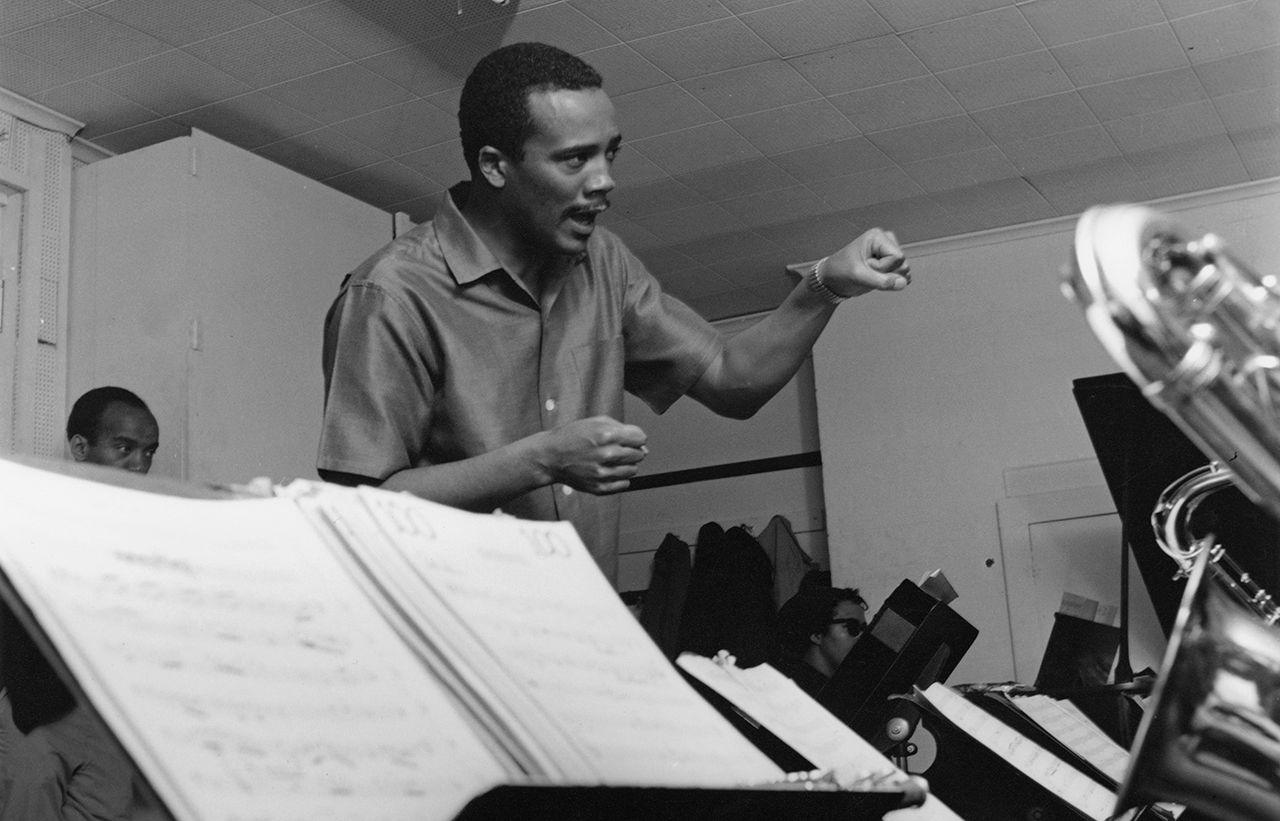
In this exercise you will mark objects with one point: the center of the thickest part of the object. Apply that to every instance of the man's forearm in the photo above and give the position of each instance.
(480, 483)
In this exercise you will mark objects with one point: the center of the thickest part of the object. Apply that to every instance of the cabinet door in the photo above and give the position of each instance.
(201, 281)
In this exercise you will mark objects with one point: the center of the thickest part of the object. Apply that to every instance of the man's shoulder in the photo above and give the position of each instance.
(407, 261)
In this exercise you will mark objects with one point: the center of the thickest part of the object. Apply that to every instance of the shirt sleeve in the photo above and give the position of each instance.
(668, 344)
(378, 386)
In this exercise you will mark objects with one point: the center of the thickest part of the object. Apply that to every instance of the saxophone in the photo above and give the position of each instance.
(1199, 333)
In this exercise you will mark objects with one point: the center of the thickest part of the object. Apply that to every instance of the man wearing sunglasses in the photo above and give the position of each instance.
(817, 628)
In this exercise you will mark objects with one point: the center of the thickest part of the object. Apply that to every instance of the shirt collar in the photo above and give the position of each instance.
(465, 253)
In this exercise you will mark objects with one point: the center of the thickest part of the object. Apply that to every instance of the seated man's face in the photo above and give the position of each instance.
(127, 438)
(847, 624)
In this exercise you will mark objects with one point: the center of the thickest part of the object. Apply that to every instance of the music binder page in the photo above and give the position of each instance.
(1068, 724)
(775, 702)
(233, 658)
(533, 601)
(1072, 786)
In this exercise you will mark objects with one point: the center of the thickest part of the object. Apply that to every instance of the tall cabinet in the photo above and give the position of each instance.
(200, 276)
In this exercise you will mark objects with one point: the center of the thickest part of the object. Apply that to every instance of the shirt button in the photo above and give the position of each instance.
(550, 404)
(566, 490)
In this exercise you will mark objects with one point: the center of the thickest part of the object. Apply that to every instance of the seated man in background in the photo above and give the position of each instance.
(113, 427)
(56, 762)
(817, 628)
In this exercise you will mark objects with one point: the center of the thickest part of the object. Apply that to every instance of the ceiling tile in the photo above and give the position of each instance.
(85, 43)
(655, 197)
(793, 127)
(764, 267)
(751, 88)
(933, 139)
(21, 16)
(171, 82)
(704, 146)
(961, 170)
(891, 105)
(623, 69)
(1067, 21)
(442, 163)
(736, 302)
(382, 184)
(283, 6)
(859, 65)
(637, 238)
(692, 282)
(1167, 126)
(682, 224)
(1006, 80)
(249, 121)
(102, 111)
(1259, 150)
(810, 237)
(914, 219)
(633, 168)
(1254, 69)
(339, 93)
(904, 15)
(1061, 149)
(141, 136)
(321, 153)
(1072, 190)
(658, 110)
(832, 159)
(412, 69)
(864, 188)
(1246, 110)
(1139, 95)
(629, 20)
(1174, 9)
(743, 6)
(265, 53)
(558, 24)
(727, 247)
(746, 177)
(364, 33)
(806, 26)
(766, 207)
(987, 35)
(1035, 118)
(178, 22)
(28, 76)
(662, 261)
(704, 48)
(996, 204)
(401, 128)
(1117, 56)
(1188, 167)
(1229, 30)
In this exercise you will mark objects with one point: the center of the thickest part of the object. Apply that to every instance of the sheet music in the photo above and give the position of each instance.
(233, 657)
(791, 714)
(1046, 769)
(1065, 722)
(534, 599)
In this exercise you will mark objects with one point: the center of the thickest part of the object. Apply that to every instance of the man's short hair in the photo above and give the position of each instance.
(86, 413)
(809, 612)
(494, 109)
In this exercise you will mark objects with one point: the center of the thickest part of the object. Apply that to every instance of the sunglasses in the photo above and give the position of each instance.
(854, 626)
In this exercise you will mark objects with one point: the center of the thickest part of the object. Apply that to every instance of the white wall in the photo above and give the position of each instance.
(200, 277)
(928, 397)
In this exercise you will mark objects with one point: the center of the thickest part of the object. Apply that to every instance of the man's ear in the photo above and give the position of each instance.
(816, 638)
(79, 447)
(493, 166)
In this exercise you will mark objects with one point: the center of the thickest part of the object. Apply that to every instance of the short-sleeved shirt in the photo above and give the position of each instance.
(434, 353)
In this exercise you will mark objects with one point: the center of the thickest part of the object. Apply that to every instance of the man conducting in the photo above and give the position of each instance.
(480, 359)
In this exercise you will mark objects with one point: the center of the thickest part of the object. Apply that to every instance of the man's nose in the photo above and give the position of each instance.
(601, 180)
